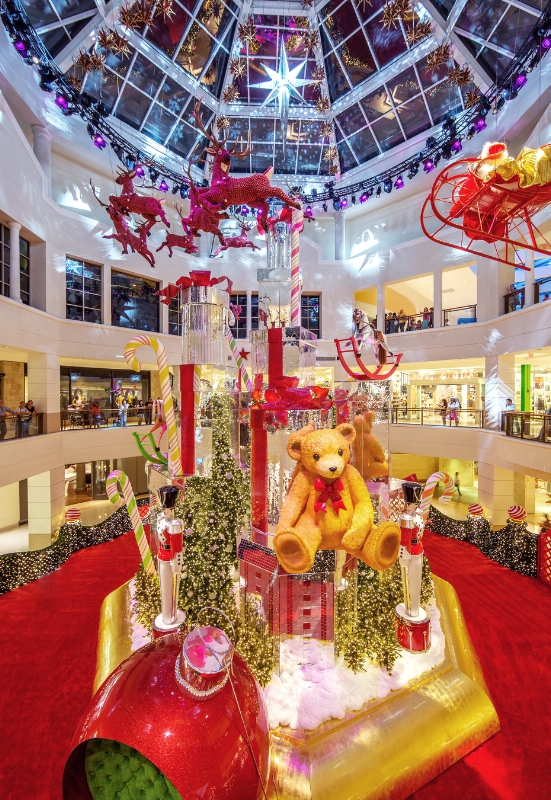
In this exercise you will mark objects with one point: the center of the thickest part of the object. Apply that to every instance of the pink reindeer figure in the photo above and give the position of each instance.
(237, 241)
(123, 234)
(186, 242)
(201, 217)
(254, 190)
(129, 202)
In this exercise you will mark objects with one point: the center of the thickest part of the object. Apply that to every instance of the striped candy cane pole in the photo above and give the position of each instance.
(428, 492)
(295, 267)
(238, 360)
(174, 462)
(196, 390)
(116, 478)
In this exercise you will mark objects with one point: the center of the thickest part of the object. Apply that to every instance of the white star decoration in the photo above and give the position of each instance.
(282, 83)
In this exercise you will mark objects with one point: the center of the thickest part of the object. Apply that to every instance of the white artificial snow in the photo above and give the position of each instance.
(304, 696)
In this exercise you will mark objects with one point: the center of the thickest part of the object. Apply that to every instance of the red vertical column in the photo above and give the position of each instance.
(187, 419)
(275, 354)
(259, 470)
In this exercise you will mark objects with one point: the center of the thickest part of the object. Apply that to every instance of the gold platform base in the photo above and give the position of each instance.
(385, 751)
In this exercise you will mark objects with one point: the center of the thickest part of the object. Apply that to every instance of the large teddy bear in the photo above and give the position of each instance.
(369, 456)
(328, 506)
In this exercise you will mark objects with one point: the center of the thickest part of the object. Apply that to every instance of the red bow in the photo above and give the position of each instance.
(197, 277)
(329, 491)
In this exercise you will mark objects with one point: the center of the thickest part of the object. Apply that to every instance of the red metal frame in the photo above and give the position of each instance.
(365, 374)
(544, 557)
(503, 210)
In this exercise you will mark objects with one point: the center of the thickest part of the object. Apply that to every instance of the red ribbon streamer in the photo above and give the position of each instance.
(329, 491)
(197, 277)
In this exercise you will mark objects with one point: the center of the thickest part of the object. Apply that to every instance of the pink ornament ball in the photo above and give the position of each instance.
(476, 510)
(72, 515)
(516, 513)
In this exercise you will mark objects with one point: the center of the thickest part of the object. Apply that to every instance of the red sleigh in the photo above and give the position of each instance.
(380, 373)
(495, 211)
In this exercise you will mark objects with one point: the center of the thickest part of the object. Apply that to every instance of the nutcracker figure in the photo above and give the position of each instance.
(169, 536)
(412, 622)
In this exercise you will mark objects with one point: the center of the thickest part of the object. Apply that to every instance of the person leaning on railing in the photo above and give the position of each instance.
(4, 412)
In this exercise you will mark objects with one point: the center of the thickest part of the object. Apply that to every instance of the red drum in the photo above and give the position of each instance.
(413, 633)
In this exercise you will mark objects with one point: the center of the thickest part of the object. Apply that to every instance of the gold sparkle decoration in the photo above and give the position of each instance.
(130, 18)
(230, 94)
(96, 62)
(246, 33)
(165, 8)
(323, 104)
(361, 5)
(419, 32)
(459, 76)
(330, 153)
(117, 44)
(391, 15)
(301, 22)
(318, 74)
(238, 68)
(333, 169)
(292, 42)
(326, 129)
(472, 96)
(441, 55)
(103, 36)
(311, 40)
(222, 123)
(76, 83)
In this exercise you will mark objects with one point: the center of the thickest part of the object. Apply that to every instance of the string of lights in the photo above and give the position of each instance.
(513, 546)
(444, 145)
(17, 569)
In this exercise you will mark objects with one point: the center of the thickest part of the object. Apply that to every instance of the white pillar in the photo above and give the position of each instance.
(437, 298)
(340, 224)
(204, 244)
(163, 314)
(15, 274)
(495, 491)
(529, 278)
(43, 381)
(42, 149)
(46, 504)
(493, 281)
(500, 384)
(106, 294)
(249, 312)
(381, 305)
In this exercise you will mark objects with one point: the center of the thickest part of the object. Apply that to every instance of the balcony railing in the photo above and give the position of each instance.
(514, 300)
(15, 427)
(527, 425)
(461, 315)
(105, 418)
(465, 418)
(408, 322)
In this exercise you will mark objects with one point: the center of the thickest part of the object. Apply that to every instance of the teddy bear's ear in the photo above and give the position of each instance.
(347, 431)
(294, 444)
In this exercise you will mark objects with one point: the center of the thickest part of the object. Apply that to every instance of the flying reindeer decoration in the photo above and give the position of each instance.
(129, 202)
(126, 237)
(237, 241)
(186, 242)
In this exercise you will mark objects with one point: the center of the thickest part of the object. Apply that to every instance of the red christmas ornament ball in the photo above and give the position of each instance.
(476, 510)
(199, 745)
(516, 513)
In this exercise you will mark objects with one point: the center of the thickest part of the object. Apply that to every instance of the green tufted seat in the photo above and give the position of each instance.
(118, 772)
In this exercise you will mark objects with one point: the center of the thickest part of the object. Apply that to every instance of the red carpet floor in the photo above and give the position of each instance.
(47, 664)
(48, 658)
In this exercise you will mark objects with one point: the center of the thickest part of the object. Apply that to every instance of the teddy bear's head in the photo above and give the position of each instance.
(325, 452)
(364, 422)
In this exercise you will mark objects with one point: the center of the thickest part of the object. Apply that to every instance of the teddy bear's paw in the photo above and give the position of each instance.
(381, 547)
(292, 552)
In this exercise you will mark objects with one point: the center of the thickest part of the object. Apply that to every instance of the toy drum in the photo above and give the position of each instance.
(203, 666)
(413, 633)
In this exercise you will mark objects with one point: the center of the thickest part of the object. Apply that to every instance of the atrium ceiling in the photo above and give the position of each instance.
(379, 89)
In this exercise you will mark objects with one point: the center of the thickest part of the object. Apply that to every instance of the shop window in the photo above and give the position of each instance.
(4, 260)
(254, 312)
(25, 270)
(82, 290)
(175, 317)
(239, 330)
(311, 313)
(80, 385)
(134, 303)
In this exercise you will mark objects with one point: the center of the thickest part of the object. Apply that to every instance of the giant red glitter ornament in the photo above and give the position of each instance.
(493, 199)
(207, 747)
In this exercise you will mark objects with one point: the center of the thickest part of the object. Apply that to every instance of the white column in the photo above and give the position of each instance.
(249, 312)
(204, 244)
(529, 278)
(46, 503)
(43, 381)
(381, 305)
(437, 298)
(106, 294)
(493, 281)
(495, 491)
(15, 274)
(340, 225)
(500, 384)
(42, 149)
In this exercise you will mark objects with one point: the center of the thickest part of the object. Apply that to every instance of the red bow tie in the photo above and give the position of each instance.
(329, 491)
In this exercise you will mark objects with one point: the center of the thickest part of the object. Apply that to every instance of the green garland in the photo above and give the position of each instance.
(513, 546)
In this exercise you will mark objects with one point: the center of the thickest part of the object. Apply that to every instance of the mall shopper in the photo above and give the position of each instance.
(453, 408)
(95, 414)
(4, 412)
(402, 319)
(141, 411)
(26, 422)
(149, 411)
(443, 410)
(123, 413)
(22, 415)
(426, 317)
(456, 484)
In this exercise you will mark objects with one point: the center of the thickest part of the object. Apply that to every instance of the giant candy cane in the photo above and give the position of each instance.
(296, 227)
(428, 492)
(166, 391)
(118, 477)
(238, 360)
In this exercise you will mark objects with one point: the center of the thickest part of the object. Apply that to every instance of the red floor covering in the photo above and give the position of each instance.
(48, 657)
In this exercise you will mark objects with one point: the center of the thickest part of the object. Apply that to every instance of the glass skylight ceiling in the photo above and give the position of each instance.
(380, 89)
